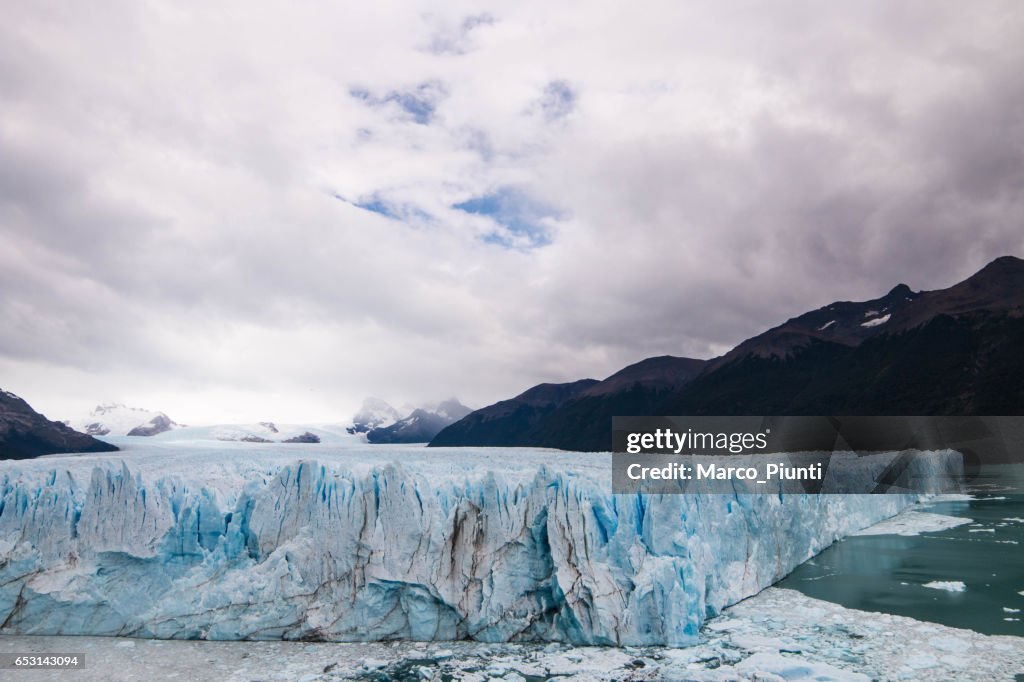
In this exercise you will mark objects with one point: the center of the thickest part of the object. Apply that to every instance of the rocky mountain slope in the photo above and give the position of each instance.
(958, 350)
(24, 433)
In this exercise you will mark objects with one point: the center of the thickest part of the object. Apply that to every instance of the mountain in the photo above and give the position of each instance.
(115, 419)
(510, 422)
(24, 433)
(421, 425)
(577, 415)
(958, 350)
(375, 413)
(997, 289)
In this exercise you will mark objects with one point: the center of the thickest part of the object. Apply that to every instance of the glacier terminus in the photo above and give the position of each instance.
(227, 541)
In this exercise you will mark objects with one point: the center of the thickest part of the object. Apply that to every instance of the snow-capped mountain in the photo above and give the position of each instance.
(264, 432)
(375, 413)
(451, 409)
(116, 419)
(382, 423)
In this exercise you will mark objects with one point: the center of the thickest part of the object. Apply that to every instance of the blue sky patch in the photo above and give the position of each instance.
(419, 102)
(521, 220)
(558, 100)
(406, 213)
(377, 206)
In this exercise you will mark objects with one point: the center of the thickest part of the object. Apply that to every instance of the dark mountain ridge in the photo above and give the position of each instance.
(958, 350)
(24, 433)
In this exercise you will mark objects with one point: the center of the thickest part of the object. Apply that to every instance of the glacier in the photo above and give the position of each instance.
(192, 540)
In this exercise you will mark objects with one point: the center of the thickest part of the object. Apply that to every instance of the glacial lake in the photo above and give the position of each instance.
(887, 573)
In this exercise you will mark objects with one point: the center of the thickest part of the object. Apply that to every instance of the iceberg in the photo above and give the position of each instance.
(188, 541)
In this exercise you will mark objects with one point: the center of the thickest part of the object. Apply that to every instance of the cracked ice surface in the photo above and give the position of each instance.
(776, 635)
(183, 540)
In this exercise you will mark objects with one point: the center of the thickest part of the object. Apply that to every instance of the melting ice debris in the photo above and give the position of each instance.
(194, 543)
(877, 321)
(947, 585)
(912, 522)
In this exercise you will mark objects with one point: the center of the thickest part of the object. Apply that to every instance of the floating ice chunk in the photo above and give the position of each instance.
(911, 523)
(948, 585)
(982, 530)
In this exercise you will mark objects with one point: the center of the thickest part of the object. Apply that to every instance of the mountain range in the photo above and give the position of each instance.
(958, 350)
(382, 423)
(115, 419)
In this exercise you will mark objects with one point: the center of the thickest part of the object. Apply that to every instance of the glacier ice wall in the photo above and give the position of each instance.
(328, 550)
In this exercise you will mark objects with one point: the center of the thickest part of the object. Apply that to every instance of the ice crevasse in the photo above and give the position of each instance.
(279, 548)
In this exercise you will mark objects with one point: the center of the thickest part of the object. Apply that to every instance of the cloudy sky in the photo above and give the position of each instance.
(273, 209)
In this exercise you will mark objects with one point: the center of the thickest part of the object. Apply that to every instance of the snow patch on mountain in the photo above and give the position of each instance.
(877, 321)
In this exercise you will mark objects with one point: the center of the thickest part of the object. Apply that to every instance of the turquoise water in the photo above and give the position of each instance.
(887, 573)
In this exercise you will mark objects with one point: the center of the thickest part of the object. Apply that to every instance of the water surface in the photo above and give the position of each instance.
(887, 573)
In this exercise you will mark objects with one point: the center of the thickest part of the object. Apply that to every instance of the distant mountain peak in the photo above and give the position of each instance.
(1005, 262)
(382, 423)
(1004, 269)
(117, 419)
(900, 289)
(374, 413)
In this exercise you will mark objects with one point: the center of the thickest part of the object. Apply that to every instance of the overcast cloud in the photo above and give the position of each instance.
(273, 209)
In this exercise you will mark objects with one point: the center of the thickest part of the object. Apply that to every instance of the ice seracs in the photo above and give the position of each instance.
(387, 542)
